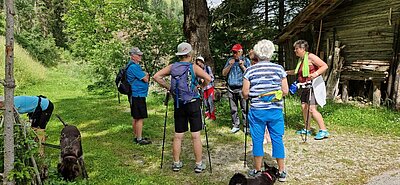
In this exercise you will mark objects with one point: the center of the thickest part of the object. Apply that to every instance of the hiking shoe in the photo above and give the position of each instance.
(235, 129)
(199, 167)
(322, 134)
(143, 142)
(254, 173)
(176, 166)
(136, 141)
(282, 176)
(303, 131)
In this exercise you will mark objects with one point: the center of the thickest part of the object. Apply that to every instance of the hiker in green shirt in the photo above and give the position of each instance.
(308, 68)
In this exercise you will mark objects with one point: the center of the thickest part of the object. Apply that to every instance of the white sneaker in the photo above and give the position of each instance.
(235, 129)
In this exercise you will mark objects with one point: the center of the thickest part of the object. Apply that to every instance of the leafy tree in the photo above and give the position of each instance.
(246, 22)
(101, 33)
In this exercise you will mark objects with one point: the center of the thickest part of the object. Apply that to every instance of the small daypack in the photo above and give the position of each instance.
(121, 81)
(38, 110)
(183, 83)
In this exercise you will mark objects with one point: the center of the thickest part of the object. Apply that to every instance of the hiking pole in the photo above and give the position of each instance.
(245, 132)
(165, 125)
(309, 86)
(205, 128)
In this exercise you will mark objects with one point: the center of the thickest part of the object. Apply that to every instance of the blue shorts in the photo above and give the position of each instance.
(273, 120)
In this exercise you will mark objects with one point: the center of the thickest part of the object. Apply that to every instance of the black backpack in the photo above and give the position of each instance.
(121, 81)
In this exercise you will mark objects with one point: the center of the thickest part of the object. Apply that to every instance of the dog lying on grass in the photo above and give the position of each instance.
(267, 177)
(71, 160)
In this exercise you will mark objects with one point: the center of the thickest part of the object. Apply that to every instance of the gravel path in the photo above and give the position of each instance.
(341, 159)
(387, 178)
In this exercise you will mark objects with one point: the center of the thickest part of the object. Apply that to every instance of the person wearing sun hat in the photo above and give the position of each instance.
(187, 103)
(208, 91)
(234, 69)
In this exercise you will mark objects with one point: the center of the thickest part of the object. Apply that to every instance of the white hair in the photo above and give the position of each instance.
(264, 49)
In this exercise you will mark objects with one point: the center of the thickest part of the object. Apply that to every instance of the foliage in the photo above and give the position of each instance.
(23, 171)
(111, 28)
(27, 71)
(244, 21)
(42, 48)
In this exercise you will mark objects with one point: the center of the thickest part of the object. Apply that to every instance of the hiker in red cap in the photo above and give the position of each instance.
(234, 69)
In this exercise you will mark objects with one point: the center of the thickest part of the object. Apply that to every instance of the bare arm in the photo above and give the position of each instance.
(290, 72)
(322, 66)
(226, 70)
(285, 86)
(246, 88)
(146, 78)
(159, 77)
(202, 74)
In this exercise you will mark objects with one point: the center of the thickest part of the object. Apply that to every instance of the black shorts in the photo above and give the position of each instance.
(191, 113)
(138, 107)
(305, 93)
(44, 117)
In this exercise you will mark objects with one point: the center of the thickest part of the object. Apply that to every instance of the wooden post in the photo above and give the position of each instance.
(345, 93)
(9, 85)
(376, 99)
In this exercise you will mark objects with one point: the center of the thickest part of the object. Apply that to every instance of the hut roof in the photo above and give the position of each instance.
(312, 12)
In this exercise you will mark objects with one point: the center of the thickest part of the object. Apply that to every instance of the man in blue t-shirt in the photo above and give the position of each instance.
(234, 69)
(139, 81)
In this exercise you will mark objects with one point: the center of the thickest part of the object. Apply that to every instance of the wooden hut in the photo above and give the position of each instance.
(366, 57)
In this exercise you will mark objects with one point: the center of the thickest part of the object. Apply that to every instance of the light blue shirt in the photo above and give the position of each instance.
(265, 77)
(28, 104)
(235, 75)
(135, 76)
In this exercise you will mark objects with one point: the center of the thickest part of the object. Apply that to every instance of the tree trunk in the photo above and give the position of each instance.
(9, 86)
(266, 13)
(196, 28)
(280, 27)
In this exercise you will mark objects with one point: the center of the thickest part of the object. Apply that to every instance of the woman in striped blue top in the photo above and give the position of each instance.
(265, 83)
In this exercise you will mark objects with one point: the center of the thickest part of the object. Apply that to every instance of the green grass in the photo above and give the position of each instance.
(27, 71)
(112, 158)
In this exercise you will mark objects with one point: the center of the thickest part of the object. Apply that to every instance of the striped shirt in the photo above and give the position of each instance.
(264, 77)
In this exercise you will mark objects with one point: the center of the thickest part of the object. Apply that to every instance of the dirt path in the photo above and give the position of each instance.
(341, 159)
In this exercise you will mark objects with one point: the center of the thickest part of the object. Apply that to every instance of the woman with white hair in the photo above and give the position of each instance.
(265, 83)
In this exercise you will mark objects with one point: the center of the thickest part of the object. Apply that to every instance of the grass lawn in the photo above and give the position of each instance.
(112, 158)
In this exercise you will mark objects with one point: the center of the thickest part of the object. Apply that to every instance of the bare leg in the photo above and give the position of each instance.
(317, 117)
(138, 128)
(134, 128)
(257, 162)
(197, 146)
(304, 108)
(281, 164)
(176, 146)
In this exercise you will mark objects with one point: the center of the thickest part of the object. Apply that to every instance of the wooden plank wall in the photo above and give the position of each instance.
(363, 26)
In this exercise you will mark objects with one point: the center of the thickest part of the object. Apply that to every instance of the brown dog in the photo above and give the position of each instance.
(71, 160)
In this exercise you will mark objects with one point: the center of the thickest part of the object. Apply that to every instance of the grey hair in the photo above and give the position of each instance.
(301, 44)
(264, 49)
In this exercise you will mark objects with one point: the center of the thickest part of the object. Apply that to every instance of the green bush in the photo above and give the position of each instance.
(44, 49)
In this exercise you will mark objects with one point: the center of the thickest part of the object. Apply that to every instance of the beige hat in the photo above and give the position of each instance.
(184, 48)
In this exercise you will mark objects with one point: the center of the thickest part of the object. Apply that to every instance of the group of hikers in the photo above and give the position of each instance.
(256, 79)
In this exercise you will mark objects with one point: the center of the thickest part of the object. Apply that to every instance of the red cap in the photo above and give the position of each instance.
(237, 47)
